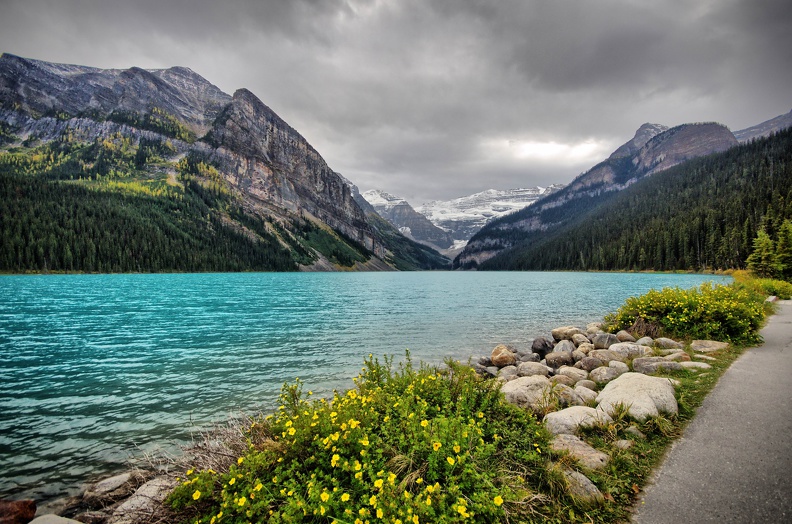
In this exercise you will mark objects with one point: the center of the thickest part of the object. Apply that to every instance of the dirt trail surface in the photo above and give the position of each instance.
(734, 462)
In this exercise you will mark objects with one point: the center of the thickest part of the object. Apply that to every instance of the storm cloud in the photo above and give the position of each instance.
(433, 99)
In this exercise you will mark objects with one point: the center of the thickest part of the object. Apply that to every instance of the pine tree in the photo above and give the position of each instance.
(764, 261)
(784, 249)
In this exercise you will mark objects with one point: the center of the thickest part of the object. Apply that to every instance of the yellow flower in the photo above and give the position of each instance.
(344, 497)
(387, 418)
(373, 501)
(359, 475)
(232, 481)
(292, 431)
(419, 480)
(242, 501)
(189, 472)
(424, 423)
(364, 441)
(391, 478)
(378, 483)
(335, 459)
(324, 496)
(451, 460)
(436, 446)
(240, 460)
(428, 500)
(415, 519)
(259, 486)
(480, 414)
(498, 500)
(196, 495)
(457, 449)
(357, 466)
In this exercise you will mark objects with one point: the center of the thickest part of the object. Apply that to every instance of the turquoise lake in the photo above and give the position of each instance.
(95, 369)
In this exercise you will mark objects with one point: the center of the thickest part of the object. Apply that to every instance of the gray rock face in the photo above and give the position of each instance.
(630, 350)
(573, 373)
(581, 487)
(569, 420)
(584, 453)
(590, 363)
(525, 392)
(557, 359)
(529, 369)
(707, 346)
(667, 343)
(401, 214)
(644, 396)
(542, 346)
(606, 355)
(566, 346)
(624, 336)
(603, 375)
(649, 365)
(604, 340)
(144, 502)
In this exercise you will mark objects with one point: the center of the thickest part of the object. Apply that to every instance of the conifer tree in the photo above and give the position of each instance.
(764, 261)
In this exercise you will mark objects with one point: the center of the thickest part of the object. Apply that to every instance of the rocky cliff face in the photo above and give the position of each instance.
(653, 149)
(273, 168)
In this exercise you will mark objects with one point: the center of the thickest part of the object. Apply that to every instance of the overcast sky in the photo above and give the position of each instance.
(434, 99)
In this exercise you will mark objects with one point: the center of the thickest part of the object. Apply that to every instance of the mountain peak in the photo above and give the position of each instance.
(379, 198)
(644, 133)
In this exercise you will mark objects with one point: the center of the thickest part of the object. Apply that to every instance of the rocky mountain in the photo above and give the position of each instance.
(651, 150)
(235, 145)
(765, 128)
(464, 216)
(412, 224)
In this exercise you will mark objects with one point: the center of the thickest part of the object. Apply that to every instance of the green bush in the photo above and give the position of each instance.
(770, 287)
(410, 446)
(732, 313)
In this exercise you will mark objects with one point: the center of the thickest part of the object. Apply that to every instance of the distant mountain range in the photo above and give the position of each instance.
(447, 225)
(653, 149)
(172, 135)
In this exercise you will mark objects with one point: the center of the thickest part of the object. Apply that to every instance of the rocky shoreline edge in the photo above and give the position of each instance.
(571, 380)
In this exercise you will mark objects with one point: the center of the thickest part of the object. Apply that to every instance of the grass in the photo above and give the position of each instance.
(436, 444)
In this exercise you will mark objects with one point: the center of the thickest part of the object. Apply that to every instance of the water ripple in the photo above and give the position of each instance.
(96, 368)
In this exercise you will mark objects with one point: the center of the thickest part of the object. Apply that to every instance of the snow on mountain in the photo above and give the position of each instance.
(381, 199)
(464, 216)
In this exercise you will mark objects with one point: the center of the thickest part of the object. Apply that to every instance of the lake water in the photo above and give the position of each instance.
(95, 369)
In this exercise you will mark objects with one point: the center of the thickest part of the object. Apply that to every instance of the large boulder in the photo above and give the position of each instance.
(562, 396)
(604, 340)
(573, 373)
(17, 511)
(585, 348)
(707, 346)
(620, 367)
(624, 336)
(606, 355)
(542, 346)
(565, 332)
(589, 363)
(525, 392)
(566, 346)
(508, 373)
(529, 369)
(144, 502)
(588, 395)
(630, 350)
(556, 359)
(603, 375)
(581, 488)
(569, 420)
(584, 453)
(645, 341)
(648, 365)
(642, 395)
(667, 343)
(503, 356)
(562, 379)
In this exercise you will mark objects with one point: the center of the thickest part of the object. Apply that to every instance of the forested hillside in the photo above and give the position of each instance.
(700, 215)
(116, 206)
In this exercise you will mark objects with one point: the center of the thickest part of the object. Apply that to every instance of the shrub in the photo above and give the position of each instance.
(732, 313)
(410, 446)
(770, 287)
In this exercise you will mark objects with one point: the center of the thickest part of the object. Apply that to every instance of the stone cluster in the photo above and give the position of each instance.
(583, 377)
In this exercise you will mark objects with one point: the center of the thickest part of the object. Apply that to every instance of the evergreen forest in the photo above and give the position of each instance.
(700, 215)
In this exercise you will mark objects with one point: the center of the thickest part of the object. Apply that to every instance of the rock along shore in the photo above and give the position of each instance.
(573, 379)
(584, 377)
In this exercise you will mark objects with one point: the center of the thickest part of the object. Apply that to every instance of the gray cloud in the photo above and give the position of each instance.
(438, 98)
